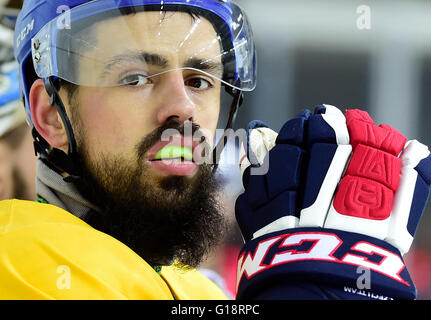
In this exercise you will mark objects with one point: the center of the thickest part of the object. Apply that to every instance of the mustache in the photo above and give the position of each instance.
(186, 129)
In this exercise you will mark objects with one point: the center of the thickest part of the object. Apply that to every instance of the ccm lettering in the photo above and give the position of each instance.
(322, 248)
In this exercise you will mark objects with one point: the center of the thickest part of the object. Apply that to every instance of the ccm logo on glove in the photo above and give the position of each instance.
(318, 246)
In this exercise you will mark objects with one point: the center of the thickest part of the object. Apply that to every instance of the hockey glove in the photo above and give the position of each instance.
(328, 194)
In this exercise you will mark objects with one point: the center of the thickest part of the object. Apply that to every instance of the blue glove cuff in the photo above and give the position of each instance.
(323, 256)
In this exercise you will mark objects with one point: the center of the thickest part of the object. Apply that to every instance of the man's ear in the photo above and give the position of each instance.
(45, 117)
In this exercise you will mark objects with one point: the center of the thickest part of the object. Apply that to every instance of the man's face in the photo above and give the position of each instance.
(117, 118)
(162, 208)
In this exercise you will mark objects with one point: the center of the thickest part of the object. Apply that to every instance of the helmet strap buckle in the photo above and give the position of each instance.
(238, 99)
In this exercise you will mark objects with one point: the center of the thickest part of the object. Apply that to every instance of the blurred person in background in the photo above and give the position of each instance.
(17, 160)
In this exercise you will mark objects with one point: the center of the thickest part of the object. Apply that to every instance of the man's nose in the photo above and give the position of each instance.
(175, 101)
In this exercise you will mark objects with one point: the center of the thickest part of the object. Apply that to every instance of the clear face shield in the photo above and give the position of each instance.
(143, 44)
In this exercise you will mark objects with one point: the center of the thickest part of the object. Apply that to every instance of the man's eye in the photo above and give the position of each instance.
(198, 83)
(134, 80)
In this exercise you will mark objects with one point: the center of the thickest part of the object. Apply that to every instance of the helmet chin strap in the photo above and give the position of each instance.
(58, 159)
(238, 98)
(62, 162)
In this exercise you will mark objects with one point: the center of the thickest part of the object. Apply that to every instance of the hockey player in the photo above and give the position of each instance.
(127, 210)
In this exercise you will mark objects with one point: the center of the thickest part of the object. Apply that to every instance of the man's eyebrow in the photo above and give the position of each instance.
(205, 65)
(135, 56)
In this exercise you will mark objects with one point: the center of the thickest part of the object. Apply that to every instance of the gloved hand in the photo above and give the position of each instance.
(328, 194)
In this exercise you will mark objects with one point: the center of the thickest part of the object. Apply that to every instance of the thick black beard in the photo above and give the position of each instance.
(180, 220)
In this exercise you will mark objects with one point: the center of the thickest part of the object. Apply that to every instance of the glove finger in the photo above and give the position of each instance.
(279, 167)
(257, 213)
(328, 125)
(364, 198)
(411, 196)
(259, 140)
(362, 130)
(287, 160)
(272, 193)
(329, 149)
(293, 131)
(256, 188)
(243, 216)
(374, 164)
(286, 165)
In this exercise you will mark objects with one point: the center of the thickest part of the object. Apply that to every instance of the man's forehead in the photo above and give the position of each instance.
(178, 28)
(162, 33)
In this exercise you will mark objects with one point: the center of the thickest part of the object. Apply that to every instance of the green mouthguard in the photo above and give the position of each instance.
(174, 152)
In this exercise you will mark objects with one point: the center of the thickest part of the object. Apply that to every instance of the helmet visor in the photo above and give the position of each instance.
(107, 43)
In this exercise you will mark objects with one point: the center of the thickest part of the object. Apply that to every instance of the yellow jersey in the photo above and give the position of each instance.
(48, 253)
